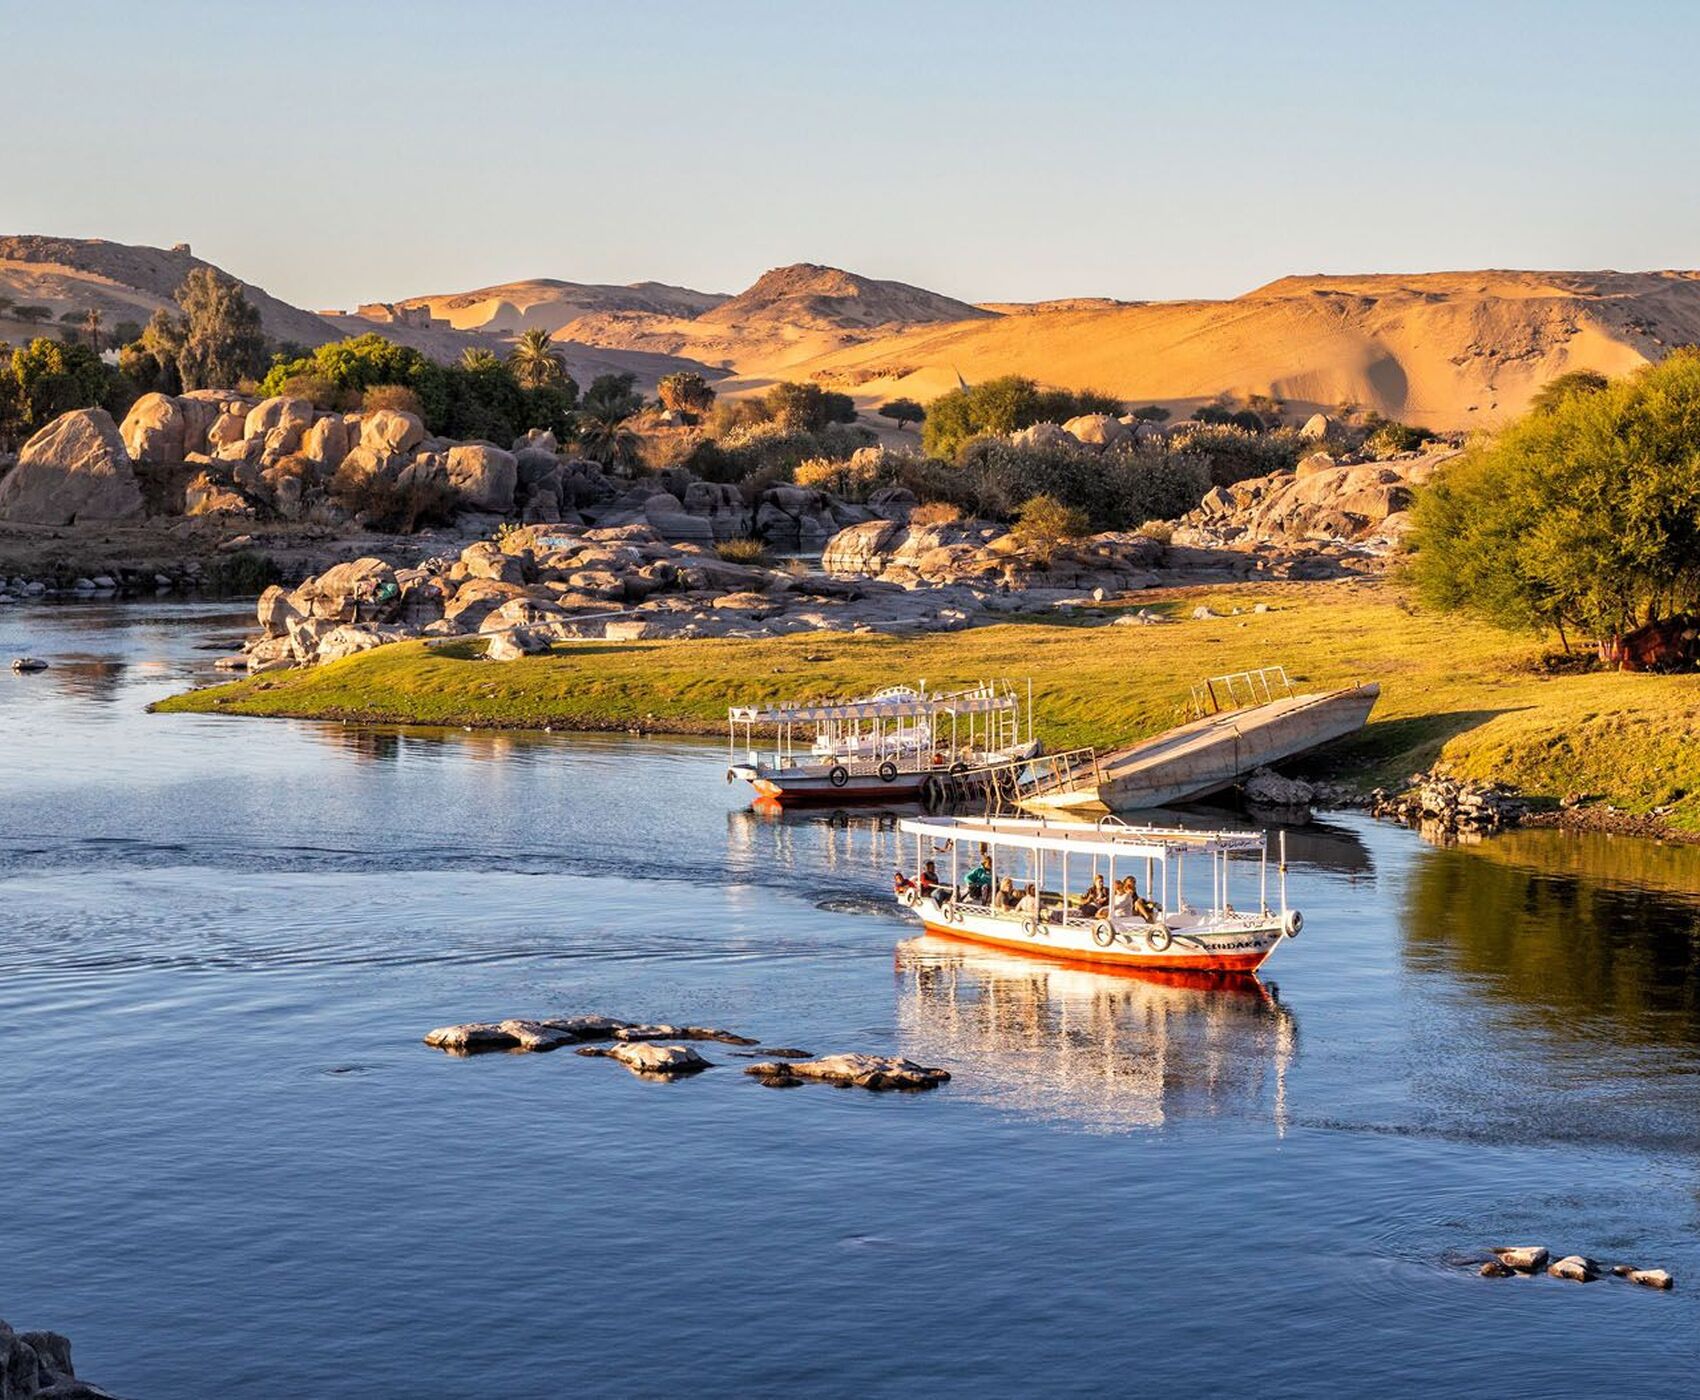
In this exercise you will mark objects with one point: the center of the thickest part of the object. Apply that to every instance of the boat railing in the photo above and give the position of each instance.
(1238, 689)
(1005, 785)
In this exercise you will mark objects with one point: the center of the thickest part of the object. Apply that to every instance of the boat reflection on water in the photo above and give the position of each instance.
(1107, 1050)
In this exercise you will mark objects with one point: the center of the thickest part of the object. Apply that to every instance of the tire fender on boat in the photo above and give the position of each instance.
(1030, 927)
(839, 776)
(1102, 934)
(1158, 938)
(888, 772)
(907, 899)
(1295, 922)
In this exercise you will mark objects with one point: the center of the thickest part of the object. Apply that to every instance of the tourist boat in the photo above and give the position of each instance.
(884, 747)
(1052, 864)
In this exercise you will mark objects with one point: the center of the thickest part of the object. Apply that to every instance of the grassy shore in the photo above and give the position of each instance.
(1479, 698)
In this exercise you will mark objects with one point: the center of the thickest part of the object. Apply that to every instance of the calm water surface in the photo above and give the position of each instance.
(228, 1167)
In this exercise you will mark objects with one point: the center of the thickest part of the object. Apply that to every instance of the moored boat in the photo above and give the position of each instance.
(1073, 891)
(886, 747)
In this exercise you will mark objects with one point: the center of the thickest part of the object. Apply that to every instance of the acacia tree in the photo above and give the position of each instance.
(902, 411)
(1584, 514)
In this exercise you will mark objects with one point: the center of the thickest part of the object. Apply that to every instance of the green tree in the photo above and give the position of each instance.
(222, 341)
(902, 411)
(604, 434)
(686, 392)
(50, 377)
(1000, 407)
(613, 396)
(797, 408)
(535, 361)
(1583, 515)
(1152, 413)
(35, 314)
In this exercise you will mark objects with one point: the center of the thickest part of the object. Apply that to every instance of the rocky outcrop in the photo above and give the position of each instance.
(1446, 806)
(1324, 499)
(988, 555)
(74, 471)
(37, 1366)
(485, 476)
(154, 429)
(647, 1058)
(878, 1072)
(1264, 787)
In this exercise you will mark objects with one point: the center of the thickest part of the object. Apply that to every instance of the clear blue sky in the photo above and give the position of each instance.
(357, 150)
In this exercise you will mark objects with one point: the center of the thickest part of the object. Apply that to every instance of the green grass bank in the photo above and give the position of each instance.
(1465, 692)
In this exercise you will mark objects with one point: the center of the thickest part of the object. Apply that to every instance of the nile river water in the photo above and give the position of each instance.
(229, 1168)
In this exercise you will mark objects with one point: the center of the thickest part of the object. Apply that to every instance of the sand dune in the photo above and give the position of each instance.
(549, 303)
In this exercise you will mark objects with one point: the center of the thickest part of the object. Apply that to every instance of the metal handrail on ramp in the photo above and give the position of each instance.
(1238, 689)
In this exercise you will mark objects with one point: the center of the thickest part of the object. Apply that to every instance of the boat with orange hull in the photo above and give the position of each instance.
(1072, 892)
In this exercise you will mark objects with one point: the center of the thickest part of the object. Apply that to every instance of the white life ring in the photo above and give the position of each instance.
(1030, 927)
(1102, 934)
(839, 775)
(907, 899)
(1158, 938)
(1295, 922)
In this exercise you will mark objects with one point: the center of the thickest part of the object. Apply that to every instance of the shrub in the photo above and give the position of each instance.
(935, 513)
(1152, 413)
(394, 396)
(315, 387)
(1390, 439)
(731, 414)
(1579, 381)
(807, 408)
(1044, 522)
(1115, 489)
(1163, 531)
(743, 550)
(1002, 406)
(1236, 454)
(384, 505)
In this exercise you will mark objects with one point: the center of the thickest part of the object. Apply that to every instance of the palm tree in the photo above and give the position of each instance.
(604, 437)
(91, 324)
(535, 361)
(476, 357)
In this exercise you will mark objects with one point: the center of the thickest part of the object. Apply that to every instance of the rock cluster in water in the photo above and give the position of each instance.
(639, 1048)
(1508, 1261)
(37, 1366)
(1449, 806)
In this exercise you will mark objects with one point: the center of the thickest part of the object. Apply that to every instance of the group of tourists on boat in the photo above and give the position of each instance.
(981, 889)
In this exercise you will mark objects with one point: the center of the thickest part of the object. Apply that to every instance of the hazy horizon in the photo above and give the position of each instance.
(989, 152)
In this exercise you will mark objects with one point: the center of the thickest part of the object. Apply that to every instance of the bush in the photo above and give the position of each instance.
(1000, 407)
(1115, 489)
(1390, 439)
(1236, 454)
(1044, 522)
(384, 505)
(393, 396)
(1582, 514)
(315, 387)
(731, 414)
(1151, 413)
(1163, 531)
(902, 411)
(935, 513)
(685, 392)
(742, 551)
(807, 408)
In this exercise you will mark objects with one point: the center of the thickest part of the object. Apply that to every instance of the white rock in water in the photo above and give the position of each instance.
(1525, 1258)
(1652, 1278)
(681, 1033)
(1492, 1268)
(645, 1057)
(863, 1071)
(1578, 1268)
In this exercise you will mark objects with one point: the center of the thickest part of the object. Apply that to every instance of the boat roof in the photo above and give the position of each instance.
(897, 703)
(1110, 836)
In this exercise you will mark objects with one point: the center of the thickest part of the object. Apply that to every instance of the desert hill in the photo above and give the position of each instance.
(810, 297)
(124, 282)
(1445, 350)
(511, 307)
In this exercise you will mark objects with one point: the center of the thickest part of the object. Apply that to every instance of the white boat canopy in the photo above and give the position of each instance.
(1110, 837)
(901, 703)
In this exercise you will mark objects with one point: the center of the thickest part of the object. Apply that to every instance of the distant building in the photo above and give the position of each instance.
(389, 313)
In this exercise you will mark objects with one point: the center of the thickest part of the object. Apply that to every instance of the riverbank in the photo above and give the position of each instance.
(1453, 691)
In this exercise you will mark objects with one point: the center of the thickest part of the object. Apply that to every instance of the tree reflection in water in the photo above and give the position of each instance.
(1107, 1051)
(1605, 930)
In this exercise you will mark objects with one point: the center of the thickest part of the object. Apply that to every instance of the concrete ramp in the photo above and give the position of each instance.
(1209, 754)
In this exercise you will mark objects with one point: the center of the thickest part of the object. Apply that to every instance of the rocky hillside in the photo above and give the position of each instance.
(124, 282)
(550, 303)
(806, 295)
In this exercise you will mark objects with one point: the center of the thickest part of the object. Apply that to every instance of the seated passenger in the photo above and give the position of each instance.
(1029, 904)
(979, 882)
(1140, 908)
(901, 882)
(1095, 900)
(1007, 899)
(1121, 907)
(930, 886)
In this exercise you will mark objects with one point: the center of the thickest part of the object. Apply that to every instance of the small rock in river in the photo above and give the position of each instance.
(645, 1057)
(541, 1033)
(28, 663)
(783, 1052)
(1578, 1268)
(1525, 1258)
(1652, 1278)
(1494, 1269)
(863, 1071)
(681, 1033)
